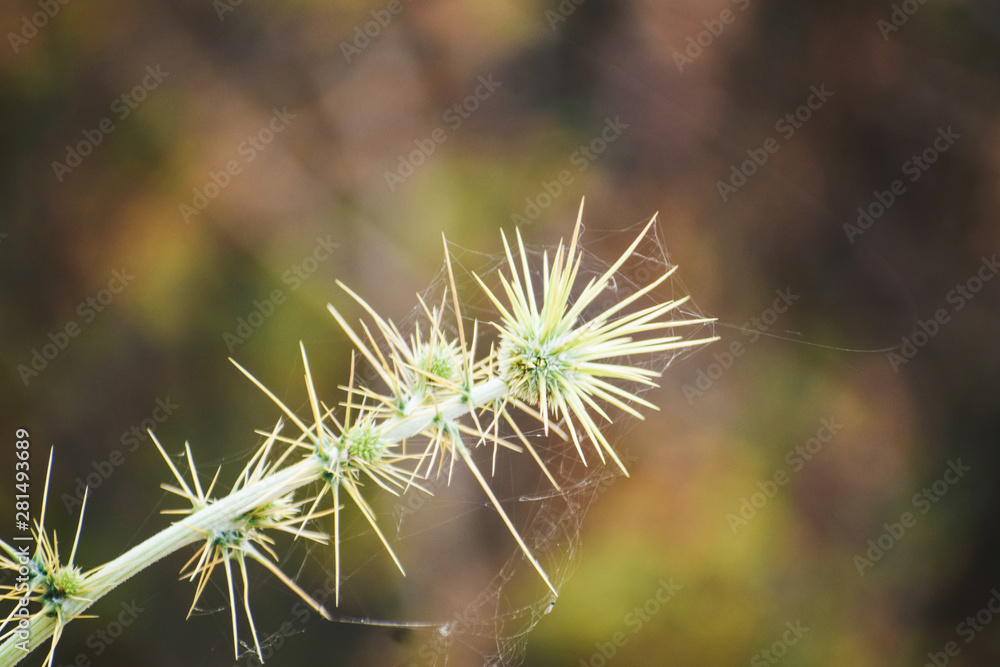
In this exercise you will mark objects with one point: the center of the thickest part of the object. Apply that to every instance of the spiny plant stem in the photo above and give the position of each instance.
(482, 394)
(220, 514)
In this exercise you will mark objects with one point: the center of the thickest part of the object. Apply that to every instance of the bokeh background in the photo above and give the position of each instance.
(310, 104)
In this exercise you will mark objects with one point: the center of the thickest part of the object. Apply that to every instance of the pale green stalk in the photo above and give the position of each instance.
(220, 514)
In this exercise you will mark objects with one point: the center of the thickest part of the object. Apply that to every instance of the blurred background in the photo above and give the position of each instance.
(184, 181)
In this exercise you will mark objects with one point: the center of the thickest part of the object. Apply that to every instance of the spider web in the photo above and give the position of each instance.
(491, 627)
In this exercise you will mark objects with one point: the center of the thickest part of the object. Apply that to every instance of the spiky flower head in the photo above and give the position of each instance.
(348, 453)
(364, 441)
(243, 536)
(552, 357)
(44, 580)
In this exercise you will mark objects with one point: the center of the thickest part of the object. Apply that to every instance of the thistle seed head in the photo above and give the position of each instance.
(532, 365)
(436, 359)
(364, 441)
